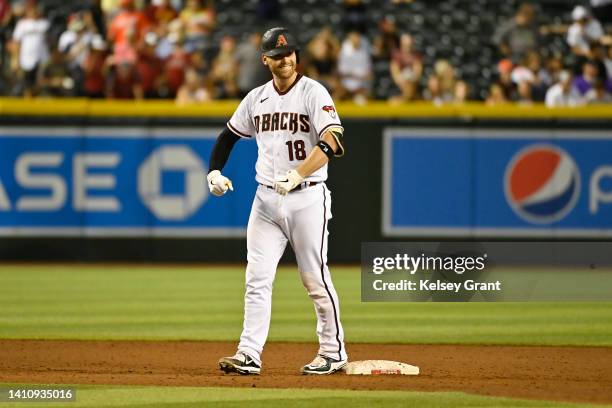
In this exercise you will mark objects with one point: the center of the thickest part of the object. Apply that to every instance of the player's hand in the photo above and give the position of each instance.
(291, 180)
(218, 184)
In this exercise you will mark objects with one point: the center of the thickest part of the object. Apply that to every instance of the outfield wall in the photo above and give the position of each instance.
(93, 180)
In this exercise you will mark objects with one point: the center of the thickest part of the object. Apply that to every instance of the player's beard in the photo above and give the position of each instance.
(285, 71)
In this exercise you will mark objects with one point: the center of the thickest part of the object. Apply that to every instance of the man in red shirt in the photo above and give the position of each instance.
(128, 23)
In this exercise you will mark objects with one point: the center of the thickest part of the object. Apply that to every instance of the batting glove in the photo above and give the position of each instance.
(287, 184)
(218, 183)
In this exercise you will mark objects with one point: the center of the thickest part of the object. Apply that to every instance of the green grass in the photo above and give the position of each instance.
(114, 302)
(182, 397)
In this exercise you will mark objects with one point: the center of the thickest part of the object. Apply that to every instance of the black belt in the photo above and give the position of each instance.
(302, 186)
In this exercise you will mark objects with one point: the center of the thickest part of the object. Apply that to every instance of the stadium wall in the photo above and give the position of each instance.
(124, 178)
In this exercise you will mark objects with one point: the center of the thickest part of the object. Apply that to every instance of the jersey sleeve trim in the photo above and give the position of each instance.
(237, 132)
(329, 126)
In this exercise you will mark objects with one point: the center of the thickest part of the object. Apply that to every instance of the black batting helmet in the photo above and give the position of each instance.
(277, 41)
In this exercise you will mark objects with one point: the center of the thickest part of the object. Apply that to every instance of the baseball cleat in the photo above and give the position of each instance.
(240, 363)
(323, 365)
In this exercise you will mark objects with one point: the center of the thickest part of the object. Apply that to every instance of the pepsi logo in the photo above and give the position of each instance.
(542, 183)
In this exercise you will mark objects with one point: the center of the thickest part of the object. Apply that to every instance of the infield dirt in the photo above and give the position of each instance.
(578, 374)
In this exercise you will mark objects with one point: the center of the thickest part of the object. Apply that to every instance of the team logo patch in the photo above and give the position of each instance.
(542, 183)
(281, 40)
(331, 110)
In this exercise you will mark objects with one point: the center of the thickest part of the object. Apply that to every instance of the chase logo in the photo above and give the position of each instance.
(542, 183)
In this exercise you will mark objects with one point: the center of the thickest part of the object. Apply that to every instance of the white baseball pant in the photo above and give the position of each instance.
(299, 218)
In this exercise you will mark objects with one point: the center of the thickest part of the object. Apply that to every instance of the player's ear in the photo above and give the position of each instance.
(264, 60)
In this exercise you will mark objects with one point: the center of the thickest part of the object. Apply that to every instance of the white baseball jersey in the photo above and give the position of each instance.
(286, 125)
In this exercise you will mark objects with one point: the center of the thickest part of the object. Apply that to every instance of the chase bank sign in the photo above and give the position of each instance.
(118, 182)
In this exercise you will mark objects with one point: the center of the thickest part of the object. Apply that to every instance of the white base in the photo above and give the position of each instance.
(380, 367)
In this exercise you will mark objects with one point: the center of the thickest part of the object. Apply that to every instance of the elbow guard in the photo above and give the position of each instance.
(338, 134)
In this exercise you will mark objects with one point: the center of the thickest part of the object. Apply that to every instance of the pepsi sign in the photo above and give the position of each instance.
(542, 183)
(497, 183)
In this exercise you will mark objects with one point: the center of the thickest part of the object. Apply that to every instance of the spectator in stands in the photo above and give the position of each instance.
(531, 72)
(320, 58)
(563, 92)
(127, 50)
(76, 40)
(519, 34)
(446, 74)
(590, 75)
(461, 92)
(553, 66)
(543, 79)
(174, 70)
(199, 22)
(354, 68)
(54, 77)
(521, 73)
(251, 72)
(598, 94)
(387, 40)
(504, 79)
(123, 82)
(198, 62)
(30, 47)
(160, 12)
(168, 35)
(496, 95)
(524, 93)
(598, 57)
(75, 44)
(150, 67)
(434, 92)
(406, 68)
(128, 26)
(94, 69)
(192, 90)
(224, 69)
(583, 31)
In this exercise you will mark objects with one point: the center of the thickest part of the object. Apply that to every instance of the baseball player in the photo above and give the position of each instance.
(297, 129)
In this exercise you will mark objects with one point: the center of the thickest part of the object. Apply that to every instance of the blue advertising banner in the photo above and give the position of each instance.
(497, 183)
(129, 181)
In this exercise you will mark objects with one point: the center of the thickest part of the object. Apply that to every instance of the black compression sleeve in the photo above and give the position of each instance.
(222, 148)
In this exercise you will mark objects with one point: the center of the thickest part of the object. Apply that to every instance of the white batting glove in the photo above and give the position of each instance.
(287, 184)
(218, 184)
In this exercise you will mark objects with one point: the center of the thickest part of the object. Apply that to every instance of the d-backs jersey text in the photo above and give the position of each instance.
(286, 125)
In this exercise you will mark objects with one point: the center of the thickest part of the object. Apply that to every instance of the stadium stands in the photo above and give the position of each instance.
(461, 32)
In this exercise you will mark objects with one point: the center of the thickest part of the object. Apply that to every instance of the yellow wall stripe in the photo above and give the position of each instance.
(224, 109)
